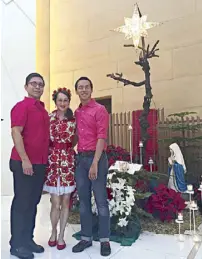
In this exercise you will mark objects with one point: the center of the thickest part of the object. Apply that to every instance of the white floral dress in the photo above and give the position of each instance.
(61, 161)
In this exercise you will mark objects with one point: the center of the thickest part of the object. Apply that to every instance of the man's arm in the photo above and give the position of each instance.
(102, 124)
(16, 133)
(99, 149)
(18, 121)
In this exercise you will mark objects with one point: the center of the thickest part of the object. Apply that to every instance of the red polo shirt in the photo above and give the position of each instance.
(32, 116)
(92, 122)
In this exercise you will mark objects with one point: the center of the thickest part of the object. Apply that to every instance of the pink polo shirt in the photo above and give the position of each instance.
(92, 122)
(32, 116)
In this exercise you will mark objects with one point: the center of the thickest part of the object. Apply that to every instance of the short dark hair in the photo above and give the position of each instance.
(83, 78)
(30, 76)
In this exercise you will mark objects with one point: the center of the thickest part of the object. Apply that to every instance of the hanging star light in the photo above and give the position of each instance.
(136, 27)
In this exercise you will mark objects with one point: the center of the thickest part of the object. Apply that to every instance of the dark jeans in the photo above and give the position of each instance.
(27, 194)
(84, 187)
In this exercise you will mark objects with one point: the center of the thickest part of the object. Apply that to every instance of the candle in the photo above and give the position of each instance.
(151, 161)
(180, 216)
(130, 127)
(190, 187)
(141, 144)
(193, 204)
(201, 185)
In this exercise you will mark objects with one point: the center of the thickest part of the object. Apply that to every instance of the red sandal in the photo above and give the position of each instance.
(61, 247)
(52, 243)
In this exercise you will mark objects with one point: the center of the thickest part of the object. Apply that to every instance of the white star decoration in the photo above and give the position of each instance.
(136, 27)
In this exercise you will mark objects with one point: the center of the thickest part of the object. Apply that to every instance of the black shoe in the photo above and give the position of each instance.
(105, 248)
(34, 248)
(21, 253)
(81, 246)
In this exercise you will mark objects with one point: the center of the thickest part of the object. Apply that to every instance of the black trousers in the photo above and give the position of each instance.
(27, 195)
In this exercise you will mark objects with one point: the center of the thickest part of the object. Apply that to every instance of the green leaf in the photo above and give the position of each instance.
(142, 196)
(143, 213)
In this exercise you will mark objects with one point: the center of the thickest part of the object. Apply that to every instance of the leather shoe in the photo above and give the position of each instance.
(22, 253)
(34, 248)
(81, 246)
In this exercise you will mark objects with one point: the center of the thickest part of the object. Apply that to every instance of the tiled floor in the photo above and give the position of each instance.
(148, 246)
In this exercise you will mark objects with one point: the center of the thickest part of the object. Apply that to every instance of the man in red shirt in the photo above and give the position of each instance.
(30, 133)
(92, 166)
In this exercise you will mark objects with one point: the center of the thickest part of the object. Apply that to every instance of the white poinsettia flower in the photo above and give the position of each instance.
(127, 213)
(110, 175)
(119, 196)
(119, 185)
(123, 222)
(112, 203)
(121, 181)
(128, 210)
(94, 206)
(121, 210)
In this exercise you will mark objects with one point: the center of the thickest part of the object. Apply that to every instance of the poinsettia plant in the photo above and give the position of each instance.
(117, 154)
(165, 203)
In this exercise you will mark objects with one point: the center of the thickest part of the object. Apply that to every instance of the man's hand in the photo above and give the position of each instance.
(93, 171)
(27, 167)
(19, 145)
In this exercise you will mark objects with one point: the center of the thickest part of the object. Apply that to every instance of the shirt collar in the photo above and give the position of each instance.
(56, 116)
(91, 103)
(33, 101)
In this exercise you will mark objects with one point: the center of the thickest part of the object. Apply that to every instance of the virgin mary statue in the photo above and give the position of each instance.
(176, 169)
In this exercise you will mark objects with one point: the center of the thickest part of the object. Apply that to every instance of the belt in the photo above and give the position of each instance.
(60, 146)
(88, 153)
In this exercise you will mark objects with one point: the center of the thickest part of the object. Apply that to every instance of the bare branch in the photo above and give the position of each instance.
(118, 77)
(149, 53)
(129, 45)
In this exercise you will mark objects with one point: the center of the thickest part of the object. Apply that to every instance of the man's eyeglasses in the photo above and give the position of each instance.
(35, 84)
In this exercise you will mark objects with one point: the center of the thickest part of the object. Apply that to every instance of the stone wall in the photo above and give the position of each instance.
(81, 43)
(18, 59)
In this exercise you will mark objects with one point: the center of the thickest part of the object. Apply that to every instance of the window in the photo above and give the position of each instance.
(107, 102)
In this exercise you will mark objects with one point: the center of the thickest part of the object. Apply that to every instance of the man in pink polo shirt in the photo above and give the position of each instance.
(92, 166)
(30, 133)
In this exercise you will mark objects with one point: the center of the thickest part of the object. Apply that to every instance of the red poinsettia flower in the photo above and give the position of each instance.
(111, 161)
(165, 203)
(109, 194)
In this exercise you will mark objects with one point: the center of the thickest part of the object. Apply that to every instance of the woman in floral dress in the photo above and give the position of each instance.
(59, 180)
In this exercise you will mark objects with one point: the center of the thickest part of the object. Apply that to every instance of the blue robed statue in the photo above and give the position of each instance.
(176, 169)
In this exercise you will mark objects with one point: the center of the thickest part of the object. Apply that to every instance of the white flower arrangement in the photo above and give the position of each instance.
(123, 198)
(122, 202)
